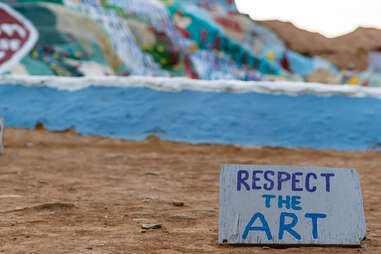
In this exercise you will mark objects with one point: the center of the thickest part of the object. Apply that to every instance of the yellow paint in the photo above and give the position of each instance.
(193, 48)
(270, 56)
(147, 47)
(35, 54)
(177, 66)
(160, 48)
(163, 60)
(353, 81)
(109, 52)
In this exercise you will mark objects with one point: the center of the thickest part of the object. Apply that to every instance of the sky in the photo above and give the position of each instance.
(329, 17)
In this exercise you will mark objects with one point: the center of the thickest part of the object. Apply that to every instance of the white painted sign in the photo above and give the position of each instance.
(1, 135)
(290, 205)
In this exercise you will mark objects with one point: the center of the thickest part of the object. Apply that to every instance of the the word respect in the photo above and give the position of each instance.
(270, 180)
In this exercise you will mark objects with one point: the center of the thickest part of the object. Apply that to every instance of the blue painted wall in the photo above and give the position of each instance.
(335, 122)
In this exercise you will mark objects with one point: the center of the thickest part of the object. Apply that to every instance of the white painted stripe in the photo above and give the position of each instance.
(178, 84)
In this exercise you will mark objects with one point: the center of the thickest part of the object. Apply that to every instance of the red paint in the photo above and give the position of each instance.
(204, 35)
(285, 63)
(229, 23)
(183, 32)
(217, 43)
(7, 19)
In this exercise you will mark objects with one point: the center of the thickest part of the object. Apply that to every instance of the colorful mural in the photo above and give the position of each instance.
(204, 39)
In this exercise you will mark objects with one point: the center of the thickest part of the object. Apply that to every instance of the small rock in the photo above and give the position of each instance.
(211, 211)
(180, 216)
(364, 245)
(265, 247)
(208, 213)
(143, 231)
(112, 155)
(27, 234)
(30, 144)
(141, 220)
(152, 174)
(147, 200)
(151, 226)
(10, 196)
(178, 203)
(177, 215)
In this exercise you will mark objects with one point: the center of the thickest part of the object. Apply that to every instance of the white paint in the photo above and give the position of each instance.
(122, 38)
(178, 84)
(9, 29)
(341, 202)
(13, 44)
(374, 61)
(1, 135)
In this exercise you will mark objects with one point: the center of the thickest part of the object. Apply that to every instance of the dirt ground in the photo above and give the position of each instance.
(65, 193)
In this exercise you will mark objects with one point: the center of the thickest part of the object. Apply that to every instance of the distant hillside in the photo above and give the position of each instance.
(297, 39)
(363, 38)
(343, 51)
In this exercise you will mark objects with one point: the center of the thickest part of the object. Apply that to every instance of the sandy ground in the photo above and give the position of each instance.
(64, 193)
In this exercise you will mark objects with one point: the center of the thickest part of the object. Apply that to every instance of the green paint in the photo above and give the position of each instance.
(36, 67)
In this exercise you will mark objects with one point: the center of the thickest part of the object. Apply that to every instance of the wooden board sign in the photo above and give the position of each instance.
(266, 205)
(1, 135)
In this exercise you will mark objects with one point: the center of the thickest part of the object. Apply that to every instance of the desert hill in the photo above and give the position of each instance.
(342, 51)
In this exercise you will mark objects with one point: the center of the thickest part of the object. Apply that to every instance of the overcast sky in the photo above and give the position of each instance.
(329, 17)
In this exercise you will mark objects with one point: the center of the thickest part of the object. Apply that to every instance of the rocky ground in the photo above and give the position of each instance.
(65, 193)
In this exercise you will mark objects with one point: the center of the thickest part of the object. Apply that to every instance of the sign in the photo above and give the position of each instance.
(290, 205)
(17, 37)
(1, 135)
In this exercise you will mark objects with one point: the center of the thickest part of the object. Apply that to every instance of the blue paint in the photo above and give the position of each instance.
(295, 202)
(288, 227)
(255, 179)
(268, 199)
(308, 183)
(314, 218)
(335, 122)
(327, 180)
(282, 177)
(290, 202)
(283, 226)
(284, 180)
(270, 183)
(242, 177)
(295, 181)
(265, 227)
(286, 202)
